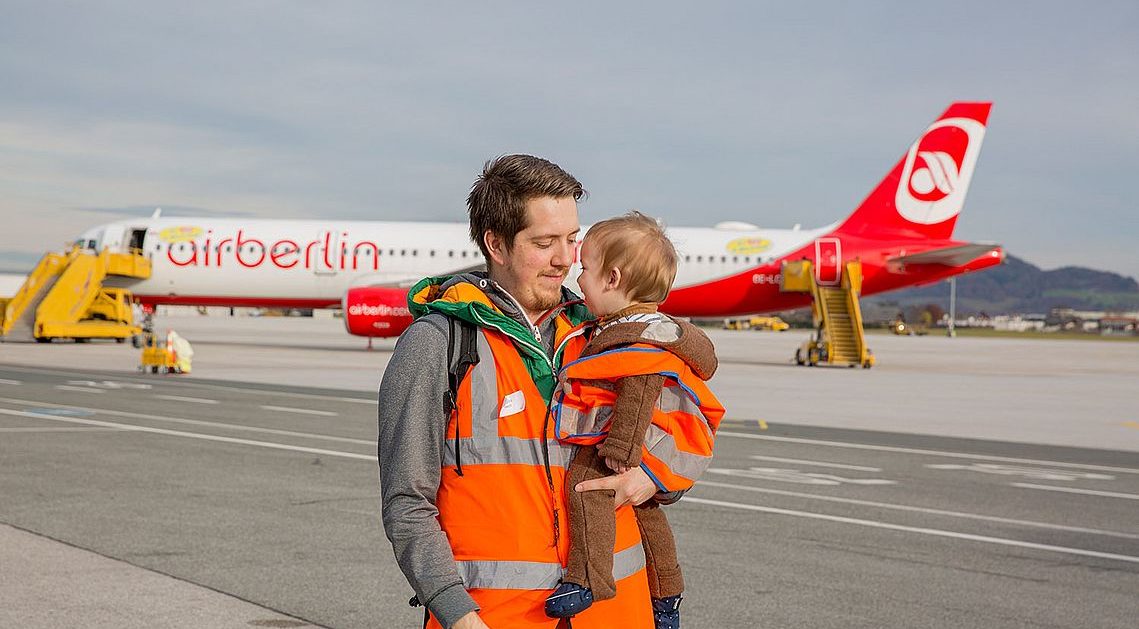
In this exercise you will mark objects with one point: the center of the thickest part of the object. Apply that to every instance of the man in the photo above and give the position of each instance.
(474, 488)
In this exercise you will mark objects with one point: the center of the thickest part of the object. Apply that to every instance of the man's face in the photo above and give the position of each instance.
(534, 269)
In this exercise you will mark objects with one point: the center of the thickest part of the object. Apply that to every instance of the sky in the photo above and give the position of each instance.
(773, 113)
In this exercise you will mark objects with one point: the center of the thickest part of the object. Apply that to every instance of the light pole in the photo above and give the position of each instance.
(952, 306)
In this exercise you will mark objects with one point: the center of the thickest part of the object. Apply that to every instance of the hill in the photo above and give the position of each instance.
(1019, 287)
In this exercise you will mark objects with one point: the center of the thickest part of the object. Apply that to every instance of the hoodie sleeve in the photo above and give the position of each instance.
(410, 450)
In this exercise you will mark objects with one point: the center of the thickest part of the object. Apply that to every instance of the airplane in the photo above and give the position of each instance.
(901, 233)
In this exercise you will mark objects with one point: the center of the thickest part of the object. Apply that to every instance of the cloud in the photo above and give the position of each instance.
(771, 113)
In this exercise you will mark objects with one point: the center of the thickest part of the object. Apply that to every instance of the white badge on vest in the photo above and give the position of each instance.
(512, 404)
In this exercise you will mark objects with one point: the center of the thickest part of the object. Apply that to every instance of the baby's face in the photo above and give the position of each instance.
(600, 287)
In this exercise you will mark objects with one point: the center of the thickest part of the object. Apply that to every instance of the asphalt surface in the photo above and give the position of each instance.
(267, 494)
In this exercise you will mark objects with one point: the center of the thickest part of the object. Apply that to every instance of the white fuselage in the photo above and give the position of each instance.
(210, 260)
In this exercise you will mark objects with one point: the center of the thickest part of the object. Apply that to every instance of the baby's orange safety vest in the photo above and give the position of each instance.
(678, 445)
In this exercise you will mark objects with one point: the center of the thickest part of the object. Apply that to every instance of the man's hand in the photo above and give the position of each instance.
(470, 621)
(631, 488)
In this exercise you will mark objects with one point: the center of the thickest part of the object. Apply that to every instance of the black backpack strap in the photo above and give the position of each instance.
(462, 353)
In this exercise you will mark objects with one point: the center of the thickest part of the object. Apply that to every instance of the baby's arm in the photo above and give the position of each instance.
(632, 414)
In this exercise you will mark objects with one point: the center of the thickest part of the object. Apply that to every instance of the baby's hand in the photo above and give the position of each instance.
(616, 465)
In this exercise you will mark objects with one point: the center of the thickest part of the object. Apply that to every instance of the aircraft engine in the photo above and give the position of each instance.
(376, 311)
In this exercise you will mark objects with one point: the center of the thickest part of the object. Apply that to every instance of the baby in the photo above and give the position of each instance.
(636, 397)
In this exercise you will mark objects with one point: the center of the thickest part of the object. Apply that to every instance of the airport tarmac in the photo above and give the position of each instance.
(959, 483)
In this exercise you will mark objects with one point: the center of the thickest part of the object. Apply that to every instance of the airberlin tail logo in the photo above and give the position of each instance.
(936, 174)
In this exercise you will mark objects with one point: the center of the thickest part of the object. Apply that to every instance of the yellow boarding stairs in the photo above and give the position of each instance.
(64, 297)
(839, 337)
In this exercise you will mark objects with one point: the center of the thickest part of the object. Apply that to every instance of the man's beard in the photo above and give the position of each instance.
(545, 302)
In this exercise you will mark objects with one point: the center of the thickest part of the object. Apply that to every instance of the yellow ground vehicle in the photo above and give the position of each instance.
(839, 337)
(775, 324)
(757, 323)
(64, 297)
(168, 355)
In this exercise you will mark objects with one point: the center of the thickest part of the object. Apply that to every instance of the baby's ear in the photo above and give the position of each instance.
(614, 277)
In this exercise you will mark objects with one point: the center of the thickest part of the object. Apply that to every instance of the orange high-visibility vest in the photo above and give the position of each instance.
(678, 444)
(505, 520)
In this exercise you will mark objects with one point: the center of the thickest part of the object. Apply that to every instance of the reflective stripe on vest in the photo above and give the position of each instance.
(485, 446)
(678, 443)
(534, 575)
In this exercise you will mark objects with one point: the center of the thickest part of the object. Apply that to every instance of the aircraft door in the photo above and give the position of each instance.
(828, 261)
(136, 239)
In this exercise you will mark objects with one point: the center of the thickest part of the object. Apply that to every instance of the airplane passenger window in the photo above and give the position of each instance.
(735, 259)
(414, 253)
(464, 254)
(402, 252)
(699, 258)
(432, 253)
(450, 254)
(391, 252)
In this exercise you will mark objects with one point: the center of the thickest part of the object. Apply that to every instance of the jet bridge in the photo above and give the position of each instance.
(839, 337)
(64, 297)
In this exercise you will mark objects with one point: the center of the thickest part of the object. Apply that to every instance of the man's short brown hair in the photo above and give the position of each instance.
(637, 245)
(498, 197)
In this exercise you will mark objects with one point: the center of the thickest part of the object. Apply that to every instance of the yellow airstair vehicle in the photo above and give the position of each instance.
(839, 337)
(64, 297)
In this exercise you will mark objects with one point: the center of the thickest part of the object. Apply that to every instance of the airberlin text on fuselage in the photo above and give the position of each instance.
(252, 253)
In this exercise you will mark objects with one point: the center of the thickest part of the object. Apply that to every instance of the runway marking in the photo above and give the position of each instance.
(1131, 424)
(59, 429)
(944, 453)
(12, 382)
(110, 384)
(841, 466)
(179, 398)
(64, 387)
(915, 529)
(897, 507)
(1074, 490)
(193, 435)
(1028, 472)
(802, 478)
(303, 411)
(58, 409)
(197, 385)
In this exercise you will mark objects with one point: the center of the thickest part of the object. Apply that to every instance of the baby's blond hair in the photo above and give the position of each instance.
(637, 245)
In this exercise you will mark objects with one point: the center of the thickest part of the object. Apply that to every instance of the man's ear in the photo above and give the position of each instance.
(496, 246)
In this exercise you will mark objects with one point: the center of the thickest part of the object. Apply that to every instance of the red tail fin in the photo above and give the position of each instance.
(924, 192)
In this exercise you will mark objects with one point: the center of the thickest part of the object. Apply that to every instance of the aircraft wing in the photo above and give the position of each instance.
(949, 256)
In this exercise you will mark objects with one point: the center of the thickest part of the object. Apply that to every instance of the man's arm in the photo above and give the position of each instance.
(410, 448)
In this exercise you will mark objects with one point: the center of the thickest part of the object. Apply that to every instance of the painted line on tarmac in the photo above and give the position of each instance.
(200, 385)
(64, 387)
(1073, 490)
(927, 510)
(916, 529)
(179, 398)
(193, 435)
(841, 466)
(60, 408)
(12, 382)
(59, 429)
(302, 411)
(944, 453)
(1131, 424)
